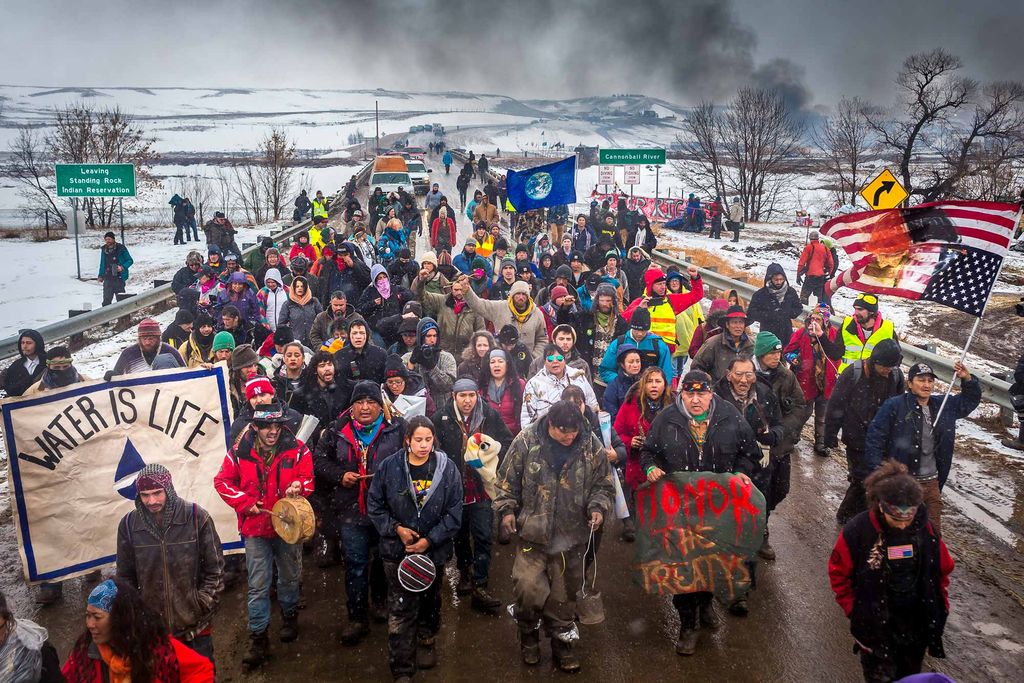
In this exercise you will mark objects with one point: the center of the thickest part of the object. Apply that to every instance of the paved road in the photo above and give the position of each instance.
(795, 631)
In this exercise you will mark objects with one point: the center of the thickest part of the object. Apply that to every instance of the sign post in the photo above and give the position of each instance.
(884, 192)
(94, 180)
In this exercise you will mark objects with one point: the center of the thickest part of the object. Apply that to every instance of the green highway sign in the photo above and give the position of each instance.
(631, 156)
(95, 180)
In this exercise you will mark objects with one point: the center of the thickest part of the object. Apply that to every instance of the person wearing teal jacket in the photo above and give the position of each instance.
(653, 349)
(114, 264)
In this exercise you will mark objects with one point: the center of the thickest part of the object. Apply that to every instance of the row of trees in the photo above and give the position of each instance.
(946, 136)
(258, 186)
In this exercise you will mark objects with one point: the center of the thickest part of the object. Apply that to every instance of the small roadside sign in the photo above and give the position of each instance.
(623, 157)
(606, 175)
(95, 180)
(884, 192)
(632, 175)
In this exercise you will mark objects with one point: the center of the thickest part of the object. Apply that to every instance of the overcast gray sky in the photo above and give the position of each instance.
(682, 50)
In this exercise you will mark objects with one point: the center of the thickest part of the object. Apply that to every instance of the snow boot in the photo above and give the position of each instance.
(686, 645)
(482, 601)
(378, 612)
(766, 551)
(529, 645)
(426, 653)
(739, 607)
(709, 616)
(564, 658)
(354, 632)
(289, 626)
(465, 585)
(259, 648)
(628, 530)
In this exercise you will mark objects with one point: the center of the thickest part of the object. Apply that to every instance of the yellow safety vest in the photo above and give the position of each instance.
(319, 208)
(663, 322)
(861, 350)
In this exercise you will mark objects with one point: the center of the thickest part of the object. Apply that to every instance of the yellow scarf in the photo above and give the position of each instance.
(520, 317)
(120, 667)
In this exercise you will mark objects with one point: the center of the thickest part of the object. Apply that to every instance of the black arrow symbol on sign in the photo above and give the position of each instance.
(882, 189)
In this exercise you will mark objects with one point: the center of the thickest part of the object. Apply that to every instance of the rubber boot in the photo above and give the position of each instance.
(564, 657)
(289, 626)
(529, 645)
(259, 648)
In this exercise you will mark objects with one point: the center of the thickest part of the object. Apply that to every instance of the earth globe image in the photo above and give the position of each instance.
(539, 185)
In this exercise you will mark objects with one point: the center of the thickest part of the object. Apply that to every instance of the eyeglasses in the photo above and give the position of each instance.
(743, 375)
(555, 357)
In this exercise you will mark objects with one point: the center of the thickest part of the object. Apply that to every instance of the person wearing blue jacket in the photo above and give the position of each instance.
(905, 430)
(446, 159)
(415, 503)
(653, 349)
(114, 264)
(628, 360)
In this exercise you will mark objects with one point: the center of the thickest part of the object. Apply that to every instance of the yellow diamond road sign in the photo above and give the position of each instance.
(884, 192)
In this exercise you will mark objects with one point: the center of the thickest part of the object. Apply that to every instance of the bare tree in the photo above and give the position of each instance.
(845, 139)
(247, 188)
(701, 167)
(759, 138)
(277, 161)
(33, 171)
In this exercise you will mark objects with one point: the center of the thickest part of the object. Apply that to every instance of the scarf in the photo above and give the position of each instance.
(780, 293)
(300, 300)
(52, 379)
(520, 317)
(383, 286)
(495, 391)
(120, 667)
(602, 319)
(365, 436)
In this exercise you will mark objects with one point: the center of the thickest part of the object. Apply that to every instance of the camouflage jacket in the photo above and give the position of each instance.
(553, 509)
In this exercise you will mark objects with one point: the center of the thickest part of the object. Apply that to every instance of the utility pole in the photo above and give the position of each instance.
(376, 123)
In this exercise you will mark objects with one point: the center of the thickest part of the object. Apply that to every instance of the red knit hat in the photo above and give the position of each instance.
(258, 386)
(148, 326)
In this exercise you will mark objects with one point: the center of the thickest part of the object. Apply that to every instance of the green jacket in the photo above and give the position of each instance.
(553, 509)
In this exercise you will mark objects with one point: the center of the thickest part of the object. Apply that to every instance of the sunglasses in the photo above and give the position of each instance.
(556, 357)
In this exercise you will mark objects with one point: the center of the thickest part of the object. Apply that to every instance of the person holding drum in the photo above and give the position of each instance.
(415, 502)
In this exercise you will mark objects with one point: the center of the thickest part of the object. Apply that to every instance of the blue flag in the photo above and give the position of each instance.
(540, 186)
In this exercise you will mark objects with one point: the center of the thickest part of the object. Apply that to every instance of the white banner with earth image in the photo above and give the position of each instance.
(74, 454)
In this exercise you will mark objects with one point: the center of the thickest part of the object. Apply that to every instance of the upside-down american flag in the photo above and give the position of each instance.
(948, 252)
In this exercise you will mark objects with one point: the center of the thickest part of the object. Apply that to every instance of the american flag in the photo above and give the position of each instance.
(947, 252)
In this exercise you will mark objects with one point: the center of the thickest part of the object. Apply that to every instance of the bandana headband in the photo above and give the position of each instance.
(102, 596)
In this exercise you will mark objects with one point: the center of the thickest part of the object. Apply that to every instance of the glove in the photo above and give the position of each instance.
(417, 356)
(766, 438)
(429, 356)
(799, 279)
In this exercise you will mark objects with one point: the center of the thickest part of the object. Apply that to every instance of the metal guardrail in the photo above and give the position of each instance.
(992, 388)
(130, 306)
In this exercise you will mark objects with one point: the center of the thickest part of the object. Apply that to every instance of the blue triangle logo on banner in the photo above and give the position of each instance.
(128, 468)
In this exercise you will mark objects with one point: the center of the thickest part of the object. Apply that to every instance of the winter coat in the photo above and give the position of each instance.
(392, 503)
(802, 351)
(790, 398)
(643, 236)
(442, 236)
(895, 431)
(246, 302)
(335, 275)
(861, 583)
(544, 390)
(532, 331)
(272, 305)
(653, 351)
(321, 329)
(245, 479)
(485, 212)
(180, 572)
(664, 309)
(132, 360)
(507, 408)
(185, 277)
(17, 378)
(729, 444)
(390, 243)
(374, 312)
(815, 260)
(355, 365)
(856, 397)
(615, 392)
(629, 423)
(110, 262)
(309, 251)
(323, 403)
(456, 328)
(173, 663)
(174, 335)
(452, 440)
(300, 317)
(635, 273)
(552, 508)
(338, 452)
(762, 415)
(585, 324)
(717, 352)
(773, 316)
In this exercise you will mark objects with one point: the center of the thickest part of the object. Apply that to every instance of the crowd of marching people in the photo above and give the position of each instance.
(517, 341)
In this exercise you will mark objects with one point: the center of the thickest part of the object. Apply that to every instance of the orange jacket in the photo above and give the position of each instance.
(815, 261)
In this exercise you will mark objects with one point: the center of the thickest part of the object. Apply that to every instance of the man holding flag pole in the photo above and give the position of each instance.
(949, 252)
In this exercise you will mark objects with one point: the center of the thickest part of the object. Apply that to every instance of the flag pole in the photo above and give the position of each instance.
(970, 338)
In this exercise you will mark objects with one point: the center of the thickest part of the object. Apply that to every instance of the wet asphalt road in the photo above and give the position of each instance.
(795, 631)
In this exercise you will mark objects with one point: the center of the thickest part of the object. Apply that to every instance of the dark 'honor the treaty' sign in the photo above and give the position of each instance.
(696, 531)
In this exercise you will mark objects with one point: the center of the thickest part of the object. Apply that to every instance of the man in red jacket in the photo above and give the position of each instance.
(265, 464)
(815, 263)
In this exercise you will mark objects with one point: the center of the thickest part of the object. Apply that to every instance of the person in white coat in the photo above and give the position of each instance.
(544, 389)
(273, 297)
